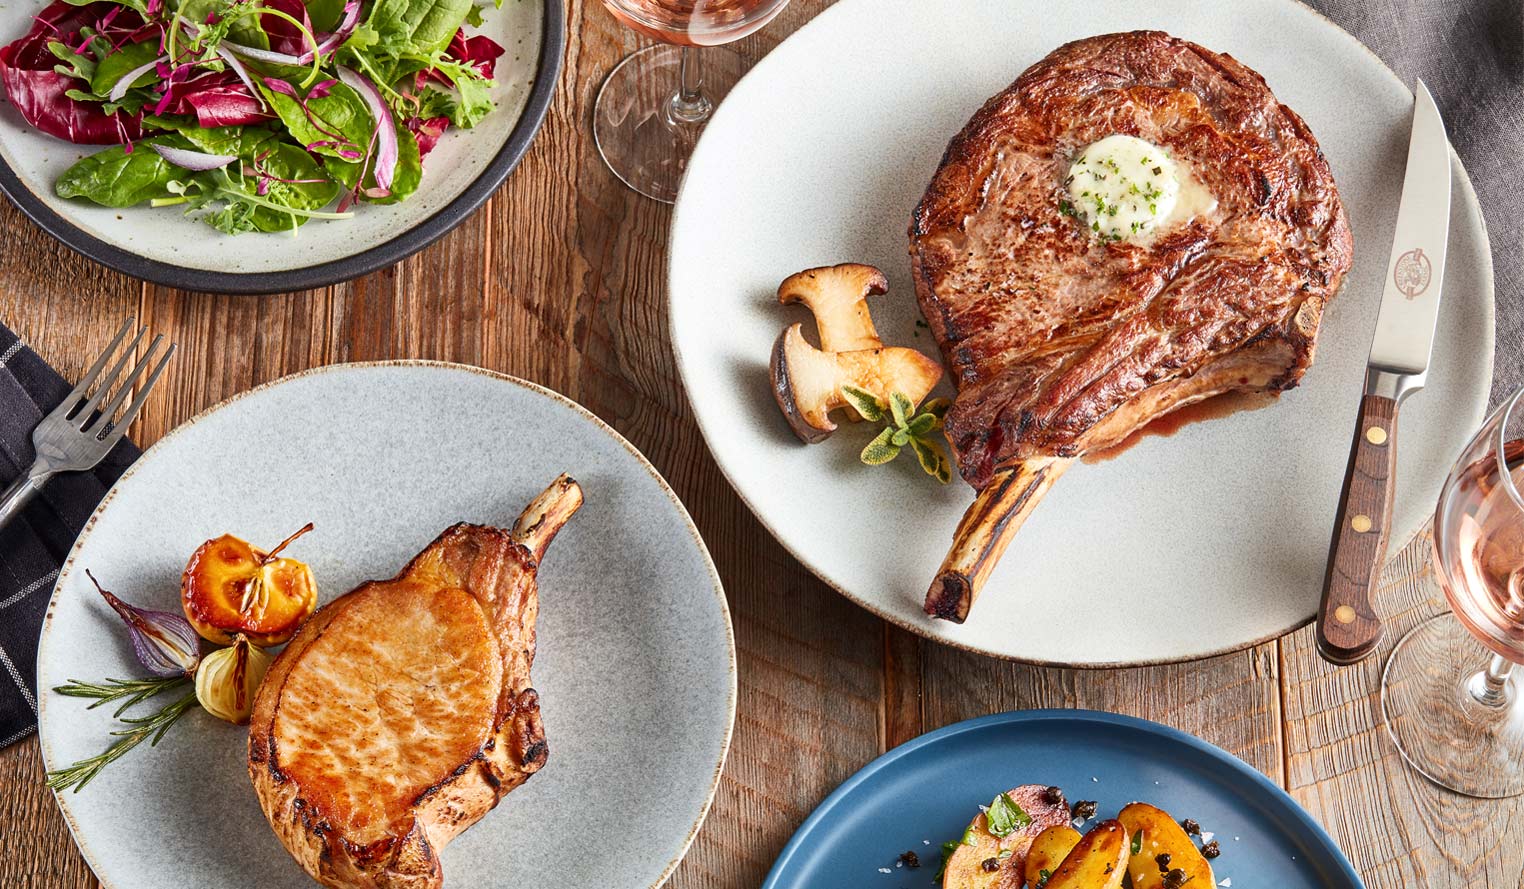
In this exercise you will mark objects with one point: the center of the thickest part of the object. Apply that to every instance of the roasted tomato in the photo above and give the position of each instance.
(231, 587)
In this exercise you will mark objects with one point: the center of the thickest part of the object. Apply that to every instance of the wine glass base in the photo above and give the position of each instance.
(1439, 727)
(637, 133)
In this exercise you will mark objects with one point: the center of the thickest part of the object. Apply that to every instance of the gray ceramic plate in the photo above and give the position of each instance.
(464, 169)
(1182, 547)
(636, 664)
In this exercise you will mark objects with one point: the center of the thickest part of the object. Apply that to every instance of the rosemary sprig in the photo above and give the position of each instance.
(150, 728)
(135, 691)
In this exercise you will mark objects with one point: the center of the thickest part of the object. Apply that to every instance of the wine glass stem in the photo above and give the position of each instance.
(1490, 687)
(689, 105)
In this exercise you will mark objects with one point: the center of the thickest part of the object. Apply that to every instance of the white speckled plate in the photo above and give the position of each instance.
(1183, 547)
(163, 246)
(636, 662)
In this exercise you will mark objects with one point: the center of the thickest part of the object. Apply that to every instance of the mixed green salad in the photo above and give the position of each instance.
(252, 115)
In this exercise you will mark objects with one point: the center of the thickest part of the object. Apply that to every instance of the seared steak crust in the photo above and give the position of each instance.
(1060, 343)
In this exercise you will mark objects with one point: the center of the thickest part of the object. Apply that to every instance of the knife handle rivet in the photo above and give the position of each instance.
(1361, 523)
(1376, 435)
(1344, 614)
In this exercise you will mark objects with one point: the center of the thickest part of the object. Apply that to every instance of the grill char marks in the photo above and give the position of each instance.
(1061, 344)
(402, 712)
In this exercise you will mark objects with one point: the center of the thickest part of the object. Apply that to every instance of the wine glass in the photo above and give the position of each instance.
(655, 103)
(1449, 693)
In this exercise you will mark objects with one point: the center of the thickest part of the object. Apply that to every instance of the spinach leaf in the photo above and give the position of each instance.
(405, 179)
(243, 141)
(341, 112)
(397, 28)
(121, 63)
(116, 178)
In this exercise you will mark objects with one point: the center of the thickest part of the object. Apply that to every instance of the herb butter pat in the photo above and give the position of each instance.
(1123, 188)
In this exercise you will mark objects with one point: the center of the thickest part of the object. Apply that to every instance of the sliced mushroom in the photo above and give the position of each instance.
(837, 296)
(807, 381)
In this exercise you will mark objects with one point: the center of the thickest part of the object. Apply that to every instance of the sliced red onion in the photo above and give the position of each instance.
(165, 643)
(243, 74)
(386, 130)
(196, 161)
(124, 83)
(327, 44)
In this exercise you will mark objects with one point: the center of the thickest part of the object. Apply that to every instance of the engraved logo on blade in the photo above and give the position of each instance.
(1412, 273)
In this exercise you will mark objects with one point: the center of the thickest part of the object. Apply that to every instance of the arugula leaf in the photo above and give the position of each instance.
(76, 65)
(1005, 817)
(115, 178)
(474, 91)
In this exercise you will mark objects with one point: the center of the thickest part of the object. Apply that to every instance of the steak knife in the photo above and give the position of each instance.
(1348, 628)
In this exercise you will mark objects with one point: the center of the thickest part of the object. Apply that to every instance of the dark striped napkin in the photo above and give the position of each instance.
(34, 544)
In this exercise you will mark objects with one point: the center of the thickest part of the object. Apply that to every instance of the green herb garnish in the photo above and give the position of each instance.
(905, 427)
(1005, 817)
(1137, 842)
(149, 728)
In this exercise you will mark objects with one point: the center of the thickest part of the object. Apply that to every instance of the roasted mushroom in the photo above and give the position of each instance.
(807, 381)
(837, 296)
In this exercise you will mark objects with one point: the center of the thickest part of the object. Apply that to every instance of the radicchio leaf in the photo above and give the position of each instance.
(40, 93)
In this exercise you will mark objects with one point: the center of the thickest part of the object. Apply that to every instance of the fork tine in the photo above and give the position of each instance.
(83, 419)
(125, 389)
(120, 428)
(95, 369)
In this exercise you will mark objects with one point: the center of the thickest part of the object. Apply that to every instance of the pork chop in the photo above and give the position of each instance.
(402, 712)
(1062, 342)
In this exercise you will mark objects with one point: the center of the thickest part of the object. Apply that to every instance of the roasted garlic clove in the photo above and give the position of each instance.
(231, 587)
(228, 679)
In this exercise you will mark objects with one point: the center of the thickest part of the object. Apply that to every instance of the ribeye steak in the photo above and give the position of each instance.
(1061, 342)
(402, 711)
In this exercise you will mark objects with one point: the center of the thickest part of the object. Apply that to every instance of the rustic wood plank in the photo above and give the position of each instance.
(1232, 700)
(1397, 828)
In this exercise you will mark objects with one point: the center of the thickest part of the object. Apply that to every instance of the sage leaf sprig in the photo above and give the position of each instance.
(905, 427)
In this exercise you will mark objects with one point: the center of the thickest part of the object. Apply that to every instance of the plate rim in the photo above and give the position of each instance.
(1084, 718)
(1488, 295)
(717, 585)
(394, 250)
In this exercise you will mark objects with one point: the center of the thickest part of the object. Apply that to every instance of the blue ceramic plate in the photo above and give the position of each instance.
(925, 792)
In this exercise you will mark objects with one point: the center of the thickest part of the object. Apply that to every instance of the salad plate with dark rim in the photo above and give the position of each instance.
(184, 241)
(924, 792)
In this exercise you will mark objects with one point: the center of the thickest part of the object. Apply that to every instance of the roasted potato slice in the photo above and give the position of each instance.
(1048, 851)
(1099, 861)
(966, 868)
(1162, 835)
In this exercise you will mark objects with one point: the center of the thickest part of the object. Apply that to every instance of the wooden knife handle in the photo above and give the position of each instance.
(1348, 628)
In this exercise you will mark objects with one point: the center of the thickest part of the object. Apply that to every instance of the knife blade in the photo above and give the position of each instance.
(1348, 627)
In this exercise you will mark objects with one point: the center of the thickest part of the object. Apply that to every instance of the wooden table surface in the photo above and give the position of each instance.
(559, 279)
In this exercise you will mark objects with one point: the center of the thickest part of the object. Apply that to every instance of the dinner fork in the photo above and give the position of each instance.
(79, 432)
